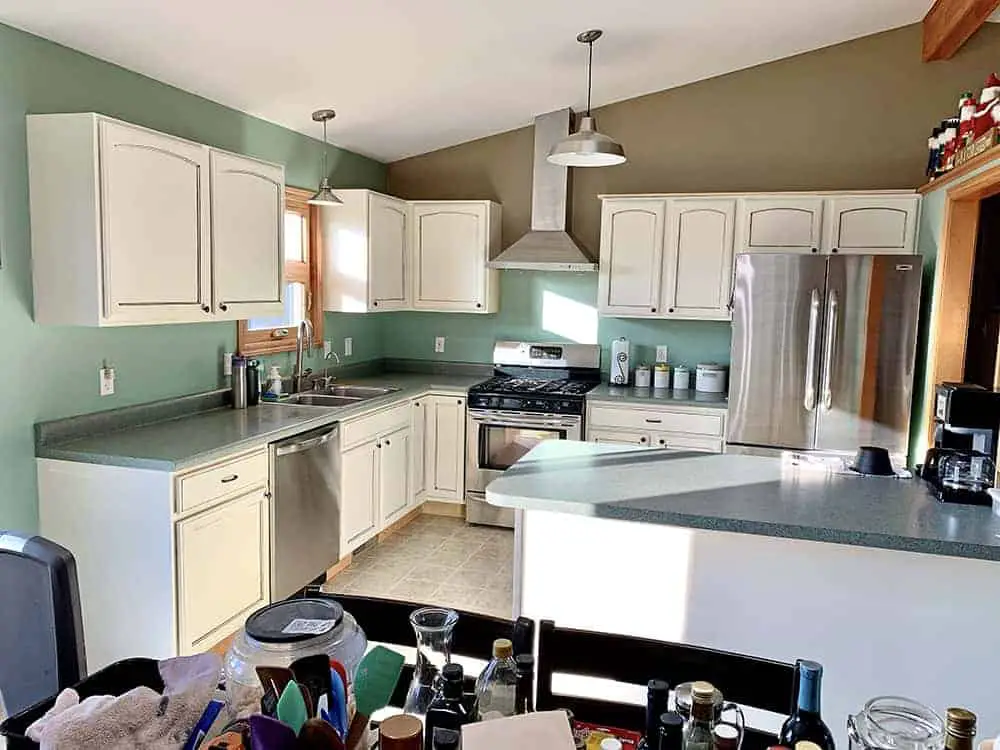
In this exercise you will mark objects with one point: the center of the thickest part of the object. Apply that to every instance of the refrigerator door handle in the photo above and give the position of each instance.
(810, 398)
(833, 308)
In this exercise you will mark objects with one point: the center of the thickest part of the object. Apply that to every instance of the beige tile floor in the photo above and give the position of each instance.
(436, 560)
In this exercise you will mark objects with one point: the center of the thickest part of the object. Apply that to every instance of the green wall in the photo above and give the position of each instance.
(52, 371)
(553, 306)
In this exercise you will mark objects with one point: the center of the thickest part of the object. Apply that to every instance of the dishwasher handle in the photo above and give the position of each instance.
(298, 446)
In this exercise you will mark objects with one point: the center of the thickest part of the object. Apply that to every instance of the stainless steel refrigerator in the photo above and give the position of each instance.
(823, 352)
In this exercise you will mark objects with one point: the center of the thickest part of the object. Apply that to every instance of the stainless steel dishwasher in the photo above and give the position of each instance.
(305, 509)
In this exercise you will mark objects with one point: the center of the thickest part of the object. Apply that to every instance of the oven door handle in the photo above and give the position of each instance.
(525, 422)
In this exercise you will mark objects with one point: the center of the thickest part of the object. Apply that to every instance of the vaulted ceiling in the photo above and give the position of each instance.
(410, 76)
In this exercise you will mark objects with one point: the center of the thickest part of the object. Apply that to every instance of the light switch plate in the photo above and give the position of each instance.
(439, 344)
(107, 381)
(348, 346)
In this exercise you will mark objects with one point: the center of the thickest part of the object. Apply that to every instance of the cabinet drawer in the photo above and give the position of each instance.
(698, 423)
(204, 486)
(687, 442)
(370, 427)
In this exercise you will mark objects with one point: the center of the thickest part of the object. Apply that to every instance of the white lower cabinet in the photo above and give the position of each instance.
(394, 476)
(222, 568)
(359, 495)
(635, 423)
(418, 441)
(444, 445)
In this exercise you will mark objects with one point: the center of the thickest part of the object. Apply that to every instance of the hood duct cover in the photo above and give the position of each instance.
(548, 246)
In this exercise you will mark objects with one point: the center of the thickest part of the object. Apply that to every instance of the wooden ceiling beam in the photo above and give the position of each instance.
(949, 24)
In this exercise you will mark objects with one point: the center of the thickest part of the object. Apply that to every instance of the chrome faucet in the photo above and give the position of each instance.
(304, 341)
(326, 380)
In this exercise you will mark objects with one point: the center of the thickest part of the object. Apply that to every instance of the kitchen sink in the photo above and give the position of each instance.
(359, 391)
(320, 399)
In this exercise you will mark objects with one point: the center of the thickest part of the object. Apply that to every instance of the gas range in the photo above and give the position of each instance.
(539, 378)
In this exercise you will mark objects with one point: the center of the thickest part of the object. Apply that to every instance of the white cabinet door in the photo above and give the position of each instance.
(155, 220)
(631, 257)
(625, 437)
(359, 495)
(876, 224)
(418, 461)
(388, 267)
(698, 258)
(446, 447)
(450, 253)
(222, 567)
(394, 475)
(687, 442)
(248, 212)
(780, 225)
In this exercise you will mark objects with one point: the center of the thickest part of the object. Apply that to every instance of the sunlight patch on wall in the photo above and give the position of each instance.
(568, 318)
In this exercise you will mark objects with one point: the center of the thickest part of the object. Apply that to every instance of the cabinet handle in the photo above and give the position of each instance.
(223, 306)
(267, 494)
(206, 308)
(478, 305)
(663, 442)
(386, 443)
(642, 440)
(652, 309)
(230, 478)
(670, 309)
(375, 303)
(459, 402)
(378, 445)
(655, 421)
(815, 249)
(834, 250)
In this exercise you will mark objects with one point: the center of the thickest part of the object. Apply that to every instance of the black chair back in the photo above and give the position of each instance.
(388, 621)
(747, 680)
(41, 628)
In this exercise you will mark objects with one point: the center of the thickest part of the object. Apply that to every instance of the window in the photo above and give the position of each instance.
(302, 295)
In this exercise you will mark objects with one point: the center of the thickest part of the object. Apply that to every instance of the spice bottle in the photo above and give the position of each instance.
(698, 728)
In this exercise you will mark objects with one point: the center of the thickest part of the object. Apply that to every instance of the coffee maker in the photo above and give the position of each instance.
(966, 431)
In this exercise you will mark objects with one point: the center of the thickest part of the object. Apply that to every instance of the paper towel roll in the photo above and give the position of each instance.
(620, 357)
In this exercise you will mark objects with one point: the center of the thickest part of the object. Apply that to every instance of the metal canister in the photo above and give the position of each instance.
(239, 378)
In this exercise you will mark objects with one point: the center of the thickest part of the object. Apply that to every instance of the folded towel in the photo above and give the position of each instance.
(141, 719)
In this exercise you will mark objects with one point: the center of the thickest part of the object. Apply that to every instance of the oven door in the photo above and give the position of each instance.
(496, 439)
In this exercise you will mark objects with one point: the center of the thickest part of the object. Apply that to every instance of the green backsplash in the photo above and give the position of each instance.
(52, 371)
(549, 306)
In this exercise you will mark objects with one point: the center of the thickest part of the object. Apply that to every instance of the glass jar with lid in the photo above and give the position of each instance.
(891, 722)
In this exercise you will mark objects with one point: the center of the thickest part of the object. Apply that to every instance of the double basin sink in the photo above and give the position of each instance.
(338, 395)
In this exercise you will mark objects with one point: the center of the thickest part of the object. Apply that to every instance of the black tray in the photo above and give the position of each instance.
(114, 679)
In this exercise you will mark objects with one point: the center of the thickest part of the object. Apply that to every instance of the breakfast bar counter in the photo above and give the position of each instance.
(894, 592)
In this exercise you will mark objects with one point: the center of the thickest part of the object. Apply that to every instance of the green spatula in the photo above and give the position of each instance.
(374, 683)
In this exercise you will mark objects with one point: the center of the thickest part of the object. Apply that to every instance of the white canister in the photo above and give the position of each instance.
(682, 378)
(661, 376)
(643, 376)
(710, 378)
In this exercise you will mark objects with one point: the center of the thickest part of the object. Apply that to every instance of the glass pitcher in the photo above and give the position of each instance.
(891, 722)
(433, 627)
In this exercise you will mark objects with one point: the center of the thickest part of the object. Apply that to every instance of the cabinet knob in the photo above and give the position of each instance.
(652, 309)
(663, 442)
(223, 306)
(378, 445)
(387, 443)
(834, 250)
(375, 303)
(642, 440)
(460, 401)
(670, 309)
(815, 249)
(478, 304)
(268, 494)
(206, 308)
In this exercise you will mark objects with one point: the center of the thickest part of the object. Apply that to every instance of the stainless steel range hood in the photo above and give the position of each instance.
(548, 246)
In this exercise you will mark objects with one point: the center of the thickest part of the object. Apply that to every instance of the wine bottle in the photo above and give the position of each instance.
(805, 722)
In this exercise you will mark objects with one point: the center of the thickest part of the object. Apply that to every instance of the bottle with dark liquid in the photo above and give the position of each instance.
(960, 728)
(657, 692)
(671, 731)
(805, 723)
(447, 709)
(524, 691)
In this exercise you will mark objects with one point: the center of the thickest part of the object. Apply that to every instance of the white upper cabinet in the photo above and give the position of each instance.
(452, 243)
(366, 264)
(872, 224)
(631, 257)
(248, 206)
(155, 250)
(123, 228)
(775, 224)
(698, 259)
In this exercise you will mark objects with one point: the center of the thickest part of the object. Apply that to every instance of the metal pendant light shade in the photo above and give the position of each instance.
(325, 195)
(586, 147)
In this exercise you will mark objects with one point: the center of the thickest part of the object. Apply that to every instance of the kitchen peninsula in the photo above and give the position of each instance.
(894, 592)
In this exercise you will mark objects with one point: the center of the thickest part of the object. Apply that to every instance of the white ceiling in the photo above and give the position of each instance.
(410, 76)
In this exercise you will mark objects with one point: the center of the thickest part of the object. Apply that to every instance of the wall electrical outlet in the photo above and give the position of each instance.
(227, 364)
(439, 344)
(327, 347)
(107, 381)
(348, 346)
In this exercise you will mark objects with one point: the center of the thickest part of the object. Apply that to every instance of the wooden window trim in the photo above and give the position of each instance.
(258, 343)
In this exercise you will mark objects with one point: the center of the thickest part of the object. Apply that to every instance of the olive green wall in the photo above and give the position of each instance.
(852, 116)
(52, 371)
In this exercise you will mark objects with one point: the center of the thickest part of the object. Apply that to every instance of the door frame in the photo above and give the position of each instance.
(953, 283)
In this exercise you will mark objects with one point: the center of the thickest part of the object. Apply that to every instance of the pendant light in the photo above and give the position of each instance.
(325, 195)
(586, 147)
